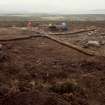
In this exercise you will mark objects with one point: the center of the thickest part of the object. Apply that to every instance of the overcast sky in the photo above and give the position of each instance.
(50, 6)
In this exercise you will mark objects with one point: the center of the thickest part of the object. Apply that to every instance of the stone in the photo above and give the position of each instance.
(93, 43)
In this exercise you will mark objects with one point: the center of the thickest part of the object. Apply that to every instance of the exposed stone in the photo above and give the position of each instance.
(93, 43)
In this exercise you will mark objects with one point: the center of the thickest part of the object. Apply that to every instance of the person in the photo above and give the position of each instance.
(52, 27)
(29, 26)
(64, 26)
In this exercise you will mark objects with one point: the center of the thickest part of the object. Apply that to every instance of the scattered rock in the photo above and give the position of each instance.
(24, 28)
(93, 43)
(91, 33)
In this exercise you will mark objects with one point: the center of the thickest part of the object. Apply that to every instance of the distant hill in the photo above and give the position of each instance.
(77, 11)
(74, 15)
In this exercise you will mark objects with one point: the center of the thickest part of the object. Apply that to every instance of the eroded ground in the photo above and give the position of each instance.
(39, 71)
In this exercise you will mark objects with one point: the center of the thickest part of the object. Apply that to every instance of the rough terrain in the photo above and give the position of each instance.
(40, 71)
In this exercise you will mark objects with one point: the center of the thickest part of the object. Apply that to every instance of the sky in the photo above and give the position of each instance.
(51, 6)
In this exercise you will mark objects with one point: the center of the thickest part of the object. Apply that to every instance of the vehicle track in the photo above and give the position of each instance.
(49, 36)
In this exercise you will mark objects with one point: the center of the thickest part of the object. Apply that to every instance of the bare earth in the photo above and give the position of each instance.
(32, 67)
